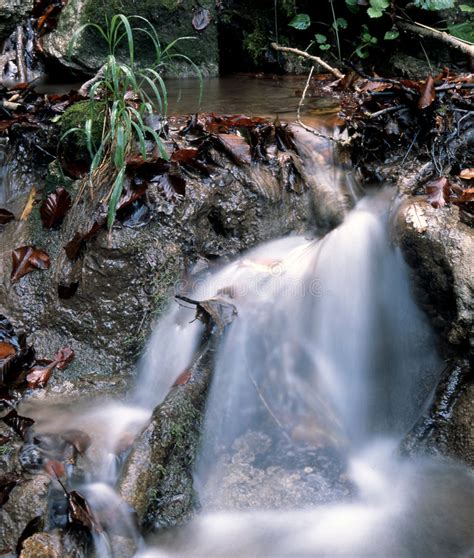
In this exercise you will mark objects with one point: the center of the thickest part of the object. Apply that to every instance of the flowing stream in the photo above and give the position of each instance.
(327, 366)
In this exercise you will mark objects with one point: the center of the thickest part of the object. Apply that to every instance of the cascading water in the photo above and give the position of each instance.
(328, 364)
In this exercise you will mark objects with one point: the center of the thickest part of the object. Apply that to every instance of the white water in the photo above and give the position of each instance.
(328, 350)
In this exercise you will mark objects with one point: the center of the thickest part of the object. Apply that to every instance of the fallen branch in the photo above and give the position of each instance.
(20, 54)
(298, 113)
(430, 33)
(303, 54)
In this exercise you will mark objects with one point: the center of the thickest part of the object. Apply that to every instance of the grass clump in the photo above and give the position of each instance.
(122, 98)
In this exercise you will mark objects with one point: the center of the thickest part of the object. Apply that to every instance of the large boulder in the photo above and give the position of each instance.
(12, 13)
(172, 19)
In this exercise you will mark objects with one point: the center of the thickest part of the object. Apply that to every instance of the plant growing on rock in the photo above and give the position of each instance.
(136, 104)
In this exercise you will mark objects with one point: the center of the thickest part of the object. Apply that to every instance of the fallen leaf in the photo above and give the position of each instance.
(29, 205)
(438, 191)
(80, 512)
(183, 378)
(40, 375)
(18, 423)
(172, 184)
(416, 217)
(236, 146)
(7, 484)
(6, 216)
(6, 350)
(27, 259)
(213, 312)
(428, 93)
(78, 439)
(201, 19)
(467, 174)
(54, 468)
(63, 357)
(466, 196)
(55, 207)
(185, 155)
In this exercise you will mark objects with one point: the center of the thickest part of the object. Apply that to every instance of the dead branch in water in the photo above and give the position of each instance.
(430, 33)
(305, 126)
(303, 54)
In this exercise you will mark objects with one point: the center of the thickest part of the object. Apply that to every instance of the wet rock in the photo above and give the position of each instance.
(171, 18)
(27, 501)
(42, 545)
(440, 250)
(156, 480)
(12, 12)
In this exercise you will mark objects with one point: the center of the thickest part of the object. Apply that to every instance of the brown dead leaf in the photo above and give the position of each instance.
(236, 146)
(40, 375)
(6, 350)
(467, 196)
(29, 205)
(63, 357)
(54, 468)
(27, 259)
(183, 378)
(467, 174)
(55, 207)
(78, 439)
(428, 93)
(18, 423)
(80, 512)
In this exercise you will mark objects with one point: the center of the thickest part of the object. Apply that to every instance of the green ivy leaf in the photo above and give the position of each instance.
(300, 21)
(380, 4)
(361, 53)
(466, 8)
(340, 23)
(352, 6)
(373, 12)
(325, 47)
(320, 39)
(434, 5)
(390, 35)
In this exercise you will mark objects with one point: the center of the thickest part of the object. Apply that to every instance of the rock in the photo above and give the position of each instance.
(27, 501)
(171, 18)
(42, 545)
(440, 250)
(157, 479)
(124, 278)
(12, 13)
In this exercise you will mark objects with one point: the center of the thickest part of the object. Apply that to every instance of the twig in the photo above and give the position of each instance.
(431, 33)
(320, 61)
(298, 114)
(20, 54)
(385, 111)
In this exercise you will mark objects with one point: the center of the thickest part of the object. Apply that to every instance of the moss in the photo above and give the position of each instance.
(76, 116)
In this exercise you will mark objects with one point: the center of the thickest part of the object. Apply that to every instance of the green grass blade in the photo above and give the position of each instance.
(115, 197)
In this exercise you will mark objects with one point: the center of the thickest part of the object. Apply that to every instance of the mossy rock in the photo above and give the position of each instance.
(12, 12)
(73, 145)
(171, 18)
